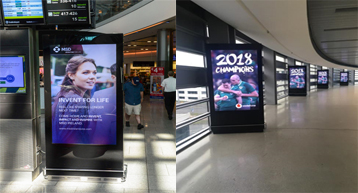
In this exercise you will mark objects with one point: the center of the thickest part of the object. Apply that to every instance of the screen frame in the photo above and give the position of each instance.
(340, 77)
(96, 165)
(226, 121)
(297, 91)
(70, 24)
(40, 24)
(25, 72)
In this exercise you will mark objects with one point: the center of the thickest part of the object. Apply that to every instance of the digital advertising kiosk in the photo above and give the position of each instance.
(297, 81)
(322, 79)
(344, 79)
(84, 104)
(235, 88)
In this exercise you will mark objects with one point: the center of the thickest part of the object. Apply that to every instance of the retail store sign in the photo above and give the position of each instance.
(156, 79)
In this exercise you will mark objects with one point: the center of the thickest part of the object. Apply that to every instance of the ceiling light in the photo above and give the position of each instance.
(155, 41)
(141, 49)
(149, 41)
(127, 51)
(129, 45)
(146, 49)
(134, 45)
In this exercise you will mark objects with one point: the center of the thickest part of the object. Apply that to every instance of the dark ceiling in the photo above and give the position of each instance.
(334, 30)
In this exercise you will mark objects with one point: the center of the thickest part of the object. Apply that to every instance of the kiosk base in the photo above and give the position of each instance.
(297, 94)
(238, 128)
(87, 173)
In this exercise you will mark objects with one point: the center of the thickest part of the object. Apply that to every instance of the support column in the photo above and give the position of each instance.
(165, 50)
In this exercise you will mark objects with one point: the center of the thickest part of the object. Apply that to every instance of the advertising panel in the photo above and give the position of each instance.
(297, 78)
(23, 12)
(83, 94)
(12, 74)
(235, 80)
(322, 76)
(344, 77)
(156, 79)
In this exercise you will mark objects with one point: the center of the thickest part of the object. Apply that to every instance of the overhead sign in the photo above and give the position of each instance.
(23, 12)
(68, 12)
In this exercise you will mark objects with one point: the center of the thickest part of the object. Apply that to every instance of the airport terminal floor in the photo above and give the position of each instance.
(309, 145)
(149, 154)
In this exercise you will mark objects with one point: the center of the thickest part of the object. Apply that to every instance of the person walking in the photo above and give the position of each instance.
(169, 85)
(133, 92)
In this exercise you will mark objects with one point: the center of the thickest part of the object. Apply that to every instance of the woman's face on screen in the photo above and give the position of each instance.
(85, 77)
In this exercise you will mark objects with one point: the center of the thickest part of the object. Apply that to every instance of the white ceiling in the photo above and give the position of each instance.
(152, 13)
(281, 25)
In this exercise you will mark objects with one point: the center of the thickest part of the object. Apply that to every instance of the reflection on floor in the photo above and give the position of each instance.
(310, 145)
(149, 153)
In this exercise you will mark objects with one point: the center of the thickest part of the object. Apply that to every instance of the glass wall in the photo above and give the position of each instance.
(192, 107)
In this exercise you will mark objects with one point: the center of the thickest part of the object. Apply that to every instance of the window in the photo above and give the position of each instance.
(193, 98)
(192, 92)
(189, 59)
(181, 92)
(182, 97)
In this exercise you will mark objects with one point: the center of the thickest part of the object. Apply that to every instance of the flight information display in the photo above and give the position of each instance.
(19, 12)
(67, 12)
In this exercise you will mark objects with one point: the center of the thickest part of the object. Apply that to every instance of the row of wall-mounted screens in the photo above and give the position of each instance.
(41, 12)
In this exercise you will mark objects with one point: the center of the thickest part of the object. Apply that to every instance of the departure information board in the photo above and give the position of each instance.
(19, 12)
(67, 12)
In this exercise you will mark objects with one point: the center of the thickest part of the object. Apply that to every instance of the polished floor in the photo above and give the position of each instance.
(310, 145)
(149, 154)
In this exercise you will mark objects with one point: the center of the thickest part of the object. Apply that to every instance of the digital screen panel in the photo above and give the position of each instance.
(22, 12)
(12, 74)
(83, 94)
(322, 76)
(297, 77)
(67, 12)
(344, 77)
(235, 80)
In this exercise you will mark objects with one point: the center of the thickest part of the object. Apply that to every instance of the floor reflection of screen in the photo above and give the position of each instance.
(235, 78)
(83, 93)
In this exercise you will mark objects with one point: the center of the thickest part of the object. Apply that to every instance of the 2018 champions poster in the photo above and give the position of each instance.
(83, 93)
(322, 77)
(235, 78)
(297, 78)
(344, 76)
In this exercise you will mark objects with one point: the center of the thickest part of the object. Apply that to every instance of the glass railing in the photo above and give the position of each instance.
(106, 9)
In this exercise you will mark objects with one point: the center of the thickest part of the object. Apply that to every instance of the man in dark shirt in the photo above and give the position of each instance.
(133, 92)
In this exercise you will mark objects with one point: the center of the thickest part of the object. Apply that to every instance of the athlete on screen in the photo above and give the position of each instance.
(241, 89)
(226, 101)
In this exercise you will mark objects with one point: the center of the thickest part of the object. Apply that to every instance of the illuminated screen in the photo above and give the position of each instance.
(297, 77)
(18, 12)
(344, 76)
(322, 77)
(12, 74)
(235, 80)
(83, 94)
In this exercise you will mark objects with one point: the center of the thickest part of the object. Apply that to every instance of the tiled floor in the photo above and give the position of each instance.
(310, 145)
(149, 153)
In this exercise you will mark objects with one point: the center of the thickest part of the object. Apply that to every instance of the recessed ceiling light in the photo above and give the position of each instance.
(155, 41)
(141, 49)
(134, 45)
(146, 49)
(149, 41)
(129, 45)
(127, 51)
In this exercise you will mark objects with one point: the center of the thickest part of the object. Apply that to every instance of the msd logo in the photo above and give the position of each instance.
(57, 49)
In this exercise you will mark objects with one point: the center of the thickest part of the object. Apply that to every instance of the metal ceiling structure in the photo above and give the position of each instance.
(279, 25)
(334, 29)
